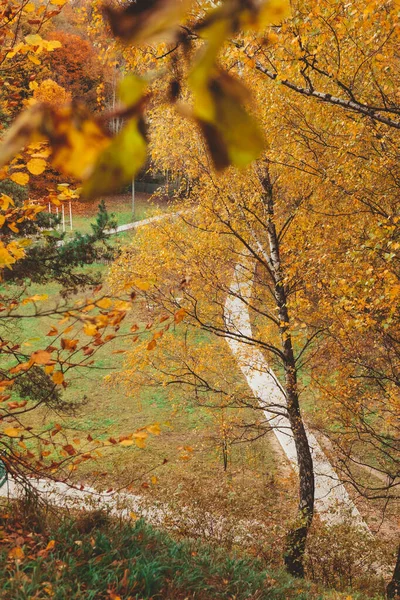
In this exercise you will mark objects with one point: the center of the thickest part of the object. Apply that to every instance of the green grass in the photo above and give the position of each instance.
(111, 411)
(93, 562)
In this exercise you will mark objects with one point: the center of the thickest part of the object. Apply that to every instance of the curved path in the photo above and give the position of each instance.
(331, 498)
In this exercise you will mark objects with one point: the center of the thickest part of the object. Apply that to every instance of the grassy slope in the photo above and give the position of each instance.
(89, 560)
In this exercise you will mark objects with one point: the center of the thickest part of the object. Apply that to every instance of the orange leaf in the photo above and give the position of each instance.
(67, 344)
(179, 315)
(58, 377)
(21, 367)
(151, 345)
(13, 227)
(41, 357)
(53, 331)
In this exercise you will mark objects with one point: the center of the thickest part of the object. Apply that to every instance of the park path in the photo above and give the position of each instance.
(332, 500)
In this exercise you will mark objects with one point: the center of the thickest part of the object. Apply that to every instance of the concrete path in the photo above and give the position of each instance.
(332, 500)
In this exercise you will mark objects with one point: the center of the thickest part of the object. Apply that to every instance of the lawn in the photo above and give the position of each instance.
(186, 459)
(84, 213)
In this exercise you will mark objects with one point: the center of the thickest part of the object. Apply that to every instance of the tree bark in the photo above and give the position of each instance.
(297, 536)
(393, 588)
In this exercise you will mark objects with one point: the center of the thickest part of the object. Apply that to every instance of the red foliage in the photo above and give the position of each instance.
(75, 67)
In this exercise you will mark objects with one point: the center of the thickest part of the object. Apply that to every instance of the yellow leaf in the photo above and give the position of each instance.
(126, 443)
(90, 329)
(52, 45)
(29, 8)
(34, 39)
(6, 201)
(154, 480)
(154, 429)
(33, 85)
(142, 285)
(20, 178)
(131, 89)
(11, 432)
(16, 553)
(140, 442)
(104, 303)
(140, 439)
(58, 377)
(77, 143)
(13, 227)
(33, 58)
(35, 298)
(50, 545)
(36, 166)
(232, 135)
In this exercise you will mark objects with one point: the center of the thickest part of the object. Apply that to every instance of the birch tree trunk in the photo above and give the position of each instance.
(297, 536)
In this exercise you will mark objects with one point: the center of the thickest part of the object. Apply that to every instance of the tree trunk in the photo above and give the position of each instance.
(393, 588)
(297, 536)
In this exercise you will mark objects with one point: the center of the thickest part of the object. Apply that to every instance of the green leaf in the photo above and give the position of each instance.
(232, 135)
(119, 162)
(131, 89)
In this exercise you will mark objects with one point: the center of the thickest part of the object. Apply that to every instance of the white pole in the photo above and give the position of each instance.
(70, 214)
(58, 224)
(49, 208)
(133, 199)
(63, 218)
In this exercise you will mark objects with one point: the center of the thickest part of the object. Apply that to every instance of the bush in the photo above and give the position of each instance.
(18, 193)
(343, 557)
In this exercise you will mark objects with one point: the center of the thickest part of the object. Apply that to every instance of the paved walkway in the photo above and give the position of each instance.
(332, 500)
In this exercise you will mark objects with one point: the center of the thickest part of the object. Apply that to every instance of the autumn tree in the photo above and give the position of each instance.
(75, 66)
(331, 127)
